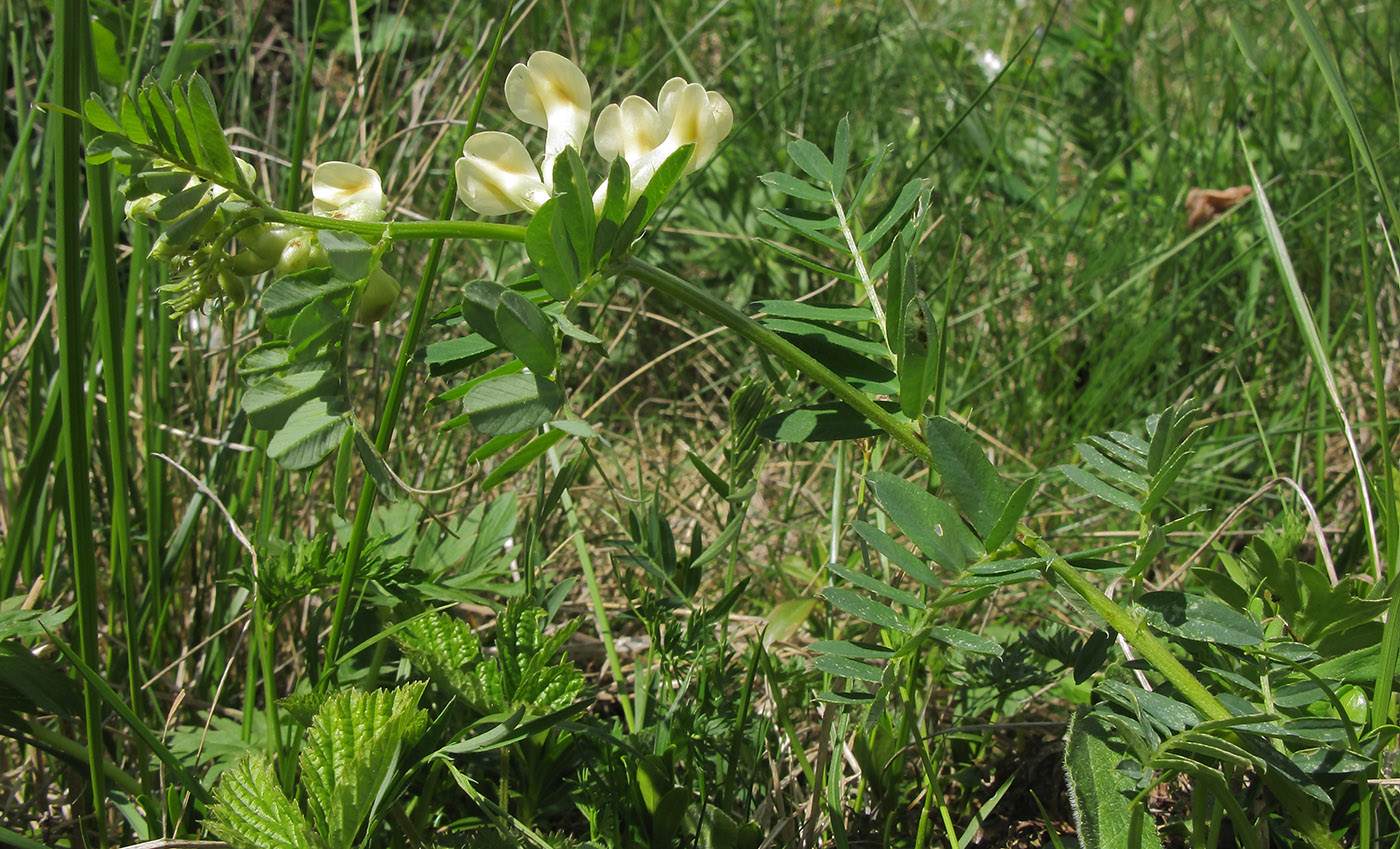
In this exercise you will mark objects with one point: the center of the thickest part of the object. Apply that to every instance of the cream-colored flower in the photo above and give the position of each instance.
(496, 175)
(686, 114)
(631, 129)
(550, 92)
(347, 191)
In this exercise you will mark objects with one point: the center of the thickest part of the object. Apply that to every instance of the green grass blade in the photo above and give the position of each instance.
(70, 24)
(1317, 351)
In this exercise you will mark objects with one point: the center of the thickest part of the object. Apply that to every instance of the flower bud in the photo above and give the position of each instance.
(381, 290)
(347, 191)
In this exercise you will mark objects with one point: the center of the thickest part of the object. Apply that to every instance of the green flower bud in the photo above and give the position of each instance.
(379, 295)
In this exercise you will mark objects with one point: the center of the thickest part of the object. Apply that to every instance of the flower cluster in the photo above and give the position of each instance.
(496, 174)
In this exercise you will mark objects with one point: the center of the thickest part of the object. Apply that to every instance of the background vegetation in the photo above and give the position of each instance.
(1057, 144)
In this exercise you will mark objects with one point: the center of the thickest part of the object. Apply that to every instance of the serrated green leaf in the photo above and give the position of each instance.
(867, 609)
(512, 403)
(526, 332)
(351, 751)
(252, 812)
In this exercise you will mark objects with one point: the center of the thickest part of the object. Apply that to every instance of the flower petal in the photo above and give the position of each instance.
(549, 91)
(496, 176)
(630, 129)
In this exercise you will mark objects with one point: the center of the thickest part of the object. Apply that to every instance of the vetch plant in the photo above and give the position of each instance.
(881, 360)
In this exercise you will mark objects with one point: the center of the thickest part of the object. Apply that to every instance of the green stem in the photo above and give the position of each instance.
(376, 230)
(398, 385)
(1295, 804)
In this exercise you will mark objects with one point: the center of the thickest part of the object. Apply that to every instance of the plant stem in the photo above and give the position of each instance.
(398, 385)
(376, 230)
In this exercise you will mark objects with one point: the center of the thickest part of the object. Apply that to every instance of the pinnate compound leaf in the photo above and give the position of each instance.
(351, 752)
(252, 812)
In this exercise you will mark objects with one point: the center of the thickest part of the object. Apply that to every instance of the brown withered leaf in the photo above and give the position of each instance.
(1205, 205)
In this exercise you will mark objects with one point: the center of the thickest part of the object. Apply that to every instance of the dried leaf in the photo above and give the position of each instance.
(1205, 205)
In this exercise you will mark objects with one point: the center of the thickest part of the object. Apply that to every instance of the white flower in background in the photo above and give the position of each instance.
(987, 60)
(347, 191)
(496, 175)
(686, 114)
(550, 92)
